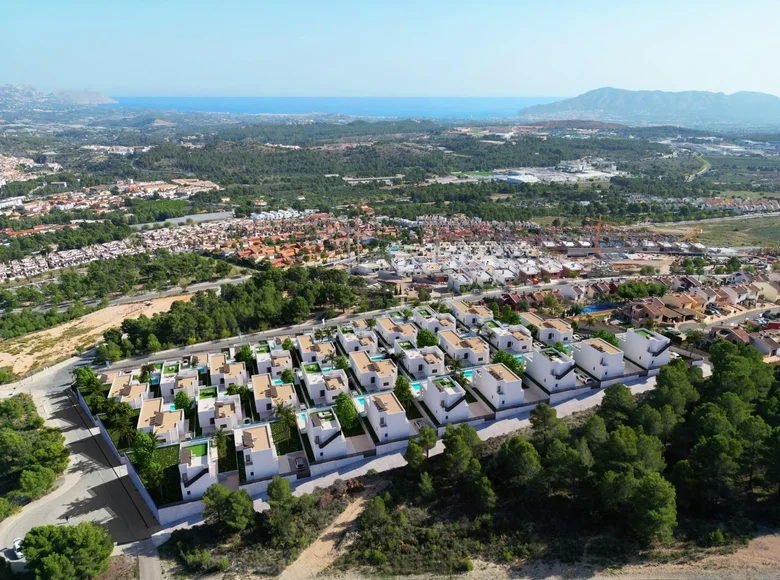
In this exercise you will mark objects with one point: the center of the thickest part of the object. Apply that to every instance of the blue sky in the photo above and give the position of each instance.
(388, 48)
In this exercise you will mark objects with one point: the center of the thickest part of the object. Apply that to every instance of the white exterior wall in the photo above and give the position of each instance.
(262, 464)
(601, 365)
(639, 349)
(336, 448)
(511, 392)
(315, 384)
(543, 371)
(197, 489)
(396, 425)
(414, 361)
(265, 363)
(437, 401)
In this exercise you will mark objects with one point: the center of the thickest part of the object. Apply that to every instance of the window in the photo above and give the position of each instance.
(381, 421)
(321, 454)
(356, 349)
(509, 344)
(386, 435)
(420, 367)
(268, 406)
(189, 493)
(549, 337)
(248, 457)
(211, 420)
(373, 380)
(251, 474)
(322, 393)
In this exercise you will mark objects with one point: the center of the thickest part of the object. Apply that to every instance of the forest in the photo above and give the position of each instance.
(100, 281)
(67, 238)
(690, 466)
(271, 298)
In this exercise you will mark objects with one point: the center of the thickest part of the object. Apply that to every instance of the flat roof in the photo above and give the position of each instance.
(602, 345)
(387, 402)
(469, 308)
(501, 372)
(383, 368)
(257, 438)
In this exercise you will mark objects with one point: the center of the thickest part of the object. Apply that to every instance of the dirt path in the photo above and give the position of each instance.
(47, 347)
(323, 552)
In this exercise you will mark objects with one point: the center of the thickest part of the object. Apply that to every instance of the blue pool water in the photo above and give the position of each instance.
(468, 374)
(378, 357)
(519, 357)
(416, 388)
(155, 380)
(598, 308)
(392, 249)
(278, 382)
(172, 407)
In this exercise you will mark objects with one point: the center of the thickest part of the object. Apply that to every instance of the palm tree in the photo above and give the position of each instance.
(371, 323)
(125, 431)
(319, 334)
(287, 417)
(406, 313)
(220, 440)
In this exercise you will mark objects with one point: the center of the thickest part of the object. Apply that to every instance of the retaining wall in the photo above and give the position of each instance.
(142, 489)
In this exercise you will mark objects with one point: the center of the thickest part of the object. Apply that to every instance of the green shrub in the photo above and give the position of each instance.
(465, 565)
(198, 560)
(715, 538)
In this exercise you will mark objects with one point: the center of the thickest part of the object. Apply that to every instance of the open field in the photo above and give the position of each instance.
(48, 347)
(741, 172)
(742, 232)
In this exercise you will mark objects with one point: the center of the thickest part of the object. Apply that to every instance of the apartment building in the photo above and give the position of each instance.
(499, 385)
(256, 444)
(354, 340)
(315, 351)
(387, 417)
(324, 386)
(645, 348)
(423, 362)
(469, 350)
(126, 390)
(549, 330)
(471, 314)
(224, 413)
(378, 374)
(514, 338)
(197, 469)
(552, 370)
(161, 419)
(325, 435)
(432, 321)
(270, 393)
(446, 399)
(599, 359)
(391, 331)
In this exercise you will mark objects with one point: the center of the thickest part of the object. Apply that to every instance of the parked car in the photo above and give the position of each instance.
(17, 549)
(300, 464)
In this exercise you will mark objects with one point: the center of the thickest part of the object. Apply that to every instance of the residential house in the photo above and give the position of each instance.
(198, 468)
(187, 382)
(160, 419)
(391, 331)
(599, 359)
(225, 373)
(273, 361)
(324, 386)
(256, 444)
(353, 340)
(733, 334)
(387, 417)
(469, 350)
(315, 351)
(645, 348)
(433, 321)
(514, 338)
(642, 311)
(215, 413)
(423, 362)
(446, 399)
(270, 393)
(549, 330)
(767, 342)
(499, 385)
(769, 290)
(735, 294)
(129, 391)
(325, 435)
(471, 314)
(550, 369)
(379, 374)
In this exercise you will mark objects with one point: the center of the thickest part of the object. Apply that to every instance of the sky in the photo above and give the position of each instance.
(388, 48)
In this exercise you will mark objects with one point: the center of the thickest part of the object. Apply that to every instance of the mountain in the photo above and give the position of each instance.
(687, 108)
(25, 97)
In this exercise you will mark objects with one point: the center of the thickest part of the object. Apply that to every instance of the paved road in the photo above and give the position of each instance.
(749, 315)
(94, 488)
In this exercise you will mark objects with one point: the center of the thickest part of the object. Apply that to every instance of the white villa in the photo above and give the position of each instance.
(325, 435)
(197, 469)
(373, 374)
(269, 394)
(645, 348)
(552, 370)
(161, 419)
(499, 385)
(470, 350)
(387, 417)
(256, 444)
(550, 330)
(446, 399)
(599, 359)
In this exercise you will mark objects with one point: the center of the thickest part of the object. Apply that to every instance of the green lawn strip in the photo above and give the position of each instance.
(307, 447)
(229, 462)
(371, 432)
(470, 398)
(431, 416)
(354, 431)
(113, 434)
(241, 468)
(168, 458)
(412, 412)
(286, 440)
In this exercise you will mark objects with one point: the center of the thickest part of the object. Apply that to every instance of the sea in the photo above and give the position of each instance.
(419, 107)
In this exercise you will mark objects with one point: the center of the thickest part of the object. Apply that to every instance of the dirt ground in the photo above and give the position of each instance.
(759, 560)
(121, 568)
(47, 347)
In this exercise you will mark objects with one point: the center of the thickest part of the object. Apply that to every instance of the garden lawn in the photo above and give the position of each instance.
(286, 440)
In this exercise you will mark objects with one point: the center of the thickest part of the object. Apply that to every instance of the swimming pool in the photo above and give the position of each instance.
(598, 308)
(519, 358)
(361, 404)
(278, 382)
(171, 408)
(375, 357)
(468, 374)
(416, 388)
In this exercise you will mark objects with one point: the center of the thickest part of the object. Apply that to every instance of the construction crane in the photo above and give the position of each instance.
(692, 236)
